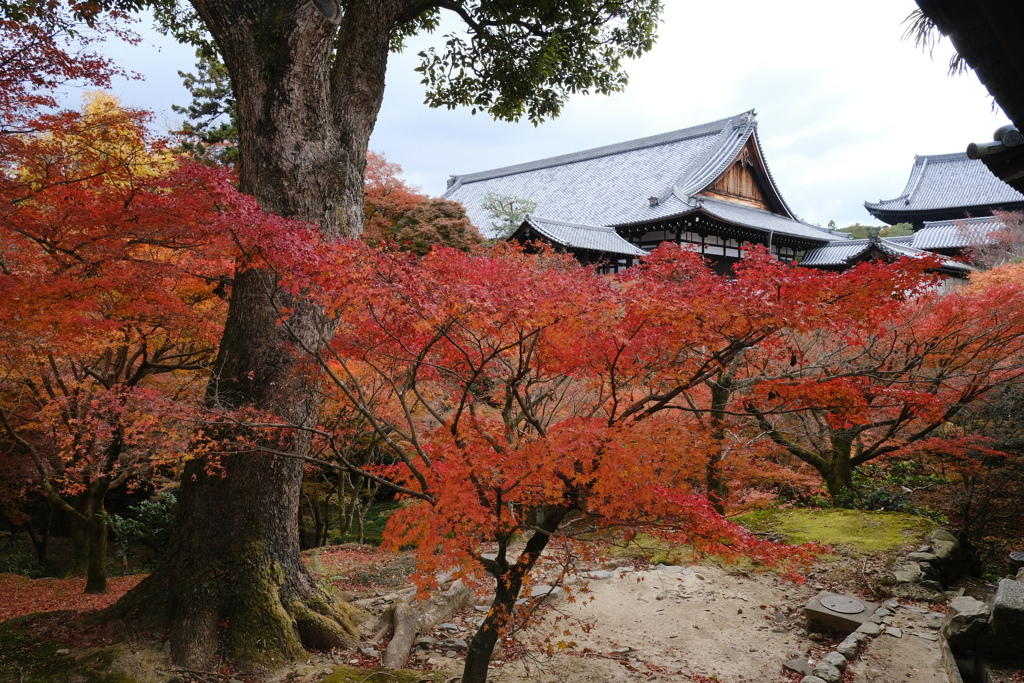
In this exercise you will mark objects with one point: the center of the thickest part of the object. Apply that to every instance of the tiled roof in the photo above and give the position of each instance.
(765, 221)
(842, 253)
(836, 253)
(944, 181)
(576, 236)
(628, 183)
(955, 234)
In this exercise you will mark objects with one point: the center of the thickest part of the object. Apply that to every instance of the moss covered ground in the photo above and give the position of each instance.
(857, 531)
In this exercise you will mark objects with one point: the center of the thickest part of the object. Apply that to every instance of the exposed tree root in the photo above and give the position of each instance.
(409, 617)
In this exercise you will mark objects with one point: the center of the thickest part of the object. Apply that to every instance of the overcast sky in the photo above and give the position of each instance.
(843, 103)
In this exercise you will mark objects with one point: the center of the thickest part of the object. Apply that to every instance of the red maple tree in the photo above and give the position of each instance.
(109, 273)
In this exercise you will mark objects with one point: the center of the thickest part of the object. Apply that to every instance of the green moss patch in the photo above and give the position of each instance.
(346, 674)
(858, 531)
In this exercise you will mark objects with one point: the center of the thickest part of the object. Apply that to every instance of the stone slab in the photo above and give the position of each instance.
(820, 617)
(1005, 639)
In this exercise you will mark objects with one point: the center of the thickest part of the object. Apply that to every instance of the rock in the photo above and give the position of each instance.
(966, 620)
(869, 629)
(882, 612)
(448, 626)
(827, 672)
(931, 584)
(1020, 574)
(811, 679)
(933, 619)
(909, 572)
(861, 638)
(687, 571)
(63, 651)
(780, 618)
(942, 535)
(546, 591)
(892, 603)
(800, 666)
(836, 659)
(848, 648)
(669, 569)
(369, 652)
(457, 644)
(816, 637)
(922, 557)
(1006, 640)
(894, 632)
(598, 574)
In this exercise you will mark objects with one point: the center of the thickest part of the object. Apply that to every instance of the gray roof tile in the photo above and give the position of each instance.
(613, 185)
(943, 181)
(765, 221)
(955, 234)
(841, 253)
(590, 237)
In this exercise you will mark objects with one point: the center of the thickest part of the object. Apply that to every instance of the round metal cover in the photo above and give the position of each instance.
(842, 604)
(1017, 556)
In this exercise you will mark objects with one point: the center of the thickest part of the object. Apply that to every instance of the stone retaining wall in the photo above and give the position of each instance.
(986, 637)
(939, 562)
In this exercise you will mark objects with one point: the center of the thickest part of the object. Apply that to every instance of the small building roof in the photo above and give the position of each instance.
(947, 181)
(576, 236)
(634, 182)
(955, 234)
(840, 254)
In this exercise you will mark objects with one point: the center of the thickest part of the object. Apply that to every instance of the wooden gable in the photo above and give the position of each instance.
(746, 182)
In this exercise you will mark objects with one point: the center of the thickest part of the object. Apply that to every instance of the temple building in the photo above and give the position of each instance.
(706, 187)
(945, 187)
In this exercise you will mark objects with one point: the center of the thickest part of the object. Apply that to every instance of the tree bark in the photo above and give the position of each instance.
(721, 393)
(308, 94)
(89, 537)
(509, 584)
(411, 618)
(839, 475)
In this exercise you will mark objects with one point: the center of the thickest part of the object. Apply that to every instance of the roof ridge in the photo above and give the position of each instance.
(907, 194)
(712, 159)
(948, 156)
(775, 186)
(970, 220)
(597, 152)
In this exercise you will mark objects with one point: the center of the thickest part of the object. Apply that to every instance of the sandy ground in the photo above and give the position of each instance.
(914, 656)
(682, 624)
(703, 621)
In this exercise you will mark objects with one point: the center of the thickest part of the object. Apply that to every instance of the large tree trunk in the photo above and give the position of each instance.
(234, 581)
